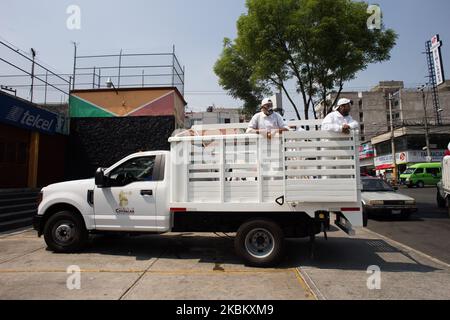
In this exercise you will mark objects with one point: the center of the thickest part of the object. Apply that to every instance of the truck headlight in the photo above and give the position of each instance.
(376, 202)
(412, 202)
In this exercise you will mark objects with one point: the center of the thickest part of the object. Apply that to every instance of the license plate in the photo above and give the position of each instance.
(396, 211)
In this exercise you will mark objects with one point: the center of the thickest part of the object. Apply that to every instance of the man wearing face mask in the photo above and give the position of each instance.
(267, 121)
(340, 120)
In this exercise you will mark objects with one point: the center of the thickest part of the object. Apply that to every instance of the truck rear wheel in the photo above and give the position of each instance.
(65, 232)
(260, 243)
(448, 205)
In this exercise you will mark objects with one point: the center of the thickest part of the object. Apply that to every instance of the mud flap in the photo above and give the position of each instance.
(345, 225)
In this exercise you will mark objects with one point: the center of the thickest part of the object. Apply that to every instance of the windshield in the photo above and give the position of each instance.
(409, 171)
(375, 185)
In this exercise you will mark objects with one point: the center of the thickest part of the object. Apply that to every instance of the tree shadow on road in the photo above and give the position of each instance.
(353, 254)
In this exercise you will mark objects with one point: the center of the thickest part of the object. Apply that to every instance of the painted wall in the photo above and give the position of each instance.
(104, 103)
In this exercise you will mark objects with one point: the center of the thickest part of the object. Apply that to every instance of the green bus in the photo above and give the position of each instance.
(422, 174)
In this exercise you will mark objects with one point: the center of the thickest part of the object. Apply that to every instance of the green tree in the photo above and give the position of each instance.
(235, 76)
(320, 44)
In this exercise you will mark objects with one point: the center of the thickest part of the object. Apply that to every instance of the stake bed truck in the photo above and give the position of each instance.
(263, 188)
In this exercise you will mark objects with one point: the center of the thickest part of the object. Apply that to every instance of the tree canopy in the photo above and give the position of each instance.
(320, 44)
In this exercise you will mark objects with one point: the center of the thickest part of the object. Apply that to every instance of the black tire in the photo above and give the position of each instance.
(265, 254)
(65, 232)
(420, 184)
(448, 205)
(440, 201)
(365, 217)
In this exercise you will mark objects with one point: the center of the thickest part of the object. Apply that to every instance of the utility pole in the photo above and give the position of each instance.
(74, 64)
(33, 54)
(427, 137)
(394, 160)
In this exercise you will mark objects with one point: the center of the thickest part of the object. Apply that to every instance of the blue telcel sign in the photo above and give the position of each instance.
(24, 114)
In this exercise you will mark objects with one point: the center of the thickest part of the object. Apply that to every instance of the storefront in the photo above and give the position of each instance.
(32, 144)
(366, 159)
(384, 164)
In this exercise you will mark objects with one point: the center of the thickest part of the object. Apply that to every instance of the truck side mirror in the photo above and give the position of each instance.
(100, 178)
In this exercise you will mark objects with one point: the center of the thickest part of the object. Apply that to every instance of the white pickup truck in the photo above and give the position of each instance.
(216, 180)
(443, 187)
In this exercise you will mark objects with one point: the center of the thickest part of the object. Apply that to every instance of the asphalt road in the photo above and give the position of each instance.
(428, 230)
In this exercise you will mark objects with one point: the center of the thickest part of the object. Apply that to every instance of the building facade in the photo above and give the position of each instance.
(410, 145)
(32, 144)
(371, 108)
(214, 116)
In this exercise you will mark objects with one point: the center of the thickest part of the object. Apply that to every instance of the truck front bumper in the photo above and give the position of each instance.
(38, 224)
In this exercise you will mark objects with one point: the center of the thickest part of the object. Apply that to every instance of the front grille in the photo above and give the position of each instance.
(394, 202)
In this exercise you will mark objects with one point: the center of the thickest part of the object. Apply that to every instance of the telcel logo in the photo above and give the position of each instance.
(36, 121)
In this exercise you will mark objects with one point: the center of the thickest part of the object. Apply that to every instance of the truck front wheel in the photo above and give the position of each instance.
(65, 232)
(260, 243)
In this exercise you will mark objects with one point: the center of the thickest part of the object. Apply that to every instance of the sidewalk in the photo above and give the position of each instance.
(339, 269)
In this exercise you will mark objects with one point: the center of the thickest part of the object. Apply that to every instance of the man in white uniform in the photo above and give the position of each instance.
(267, 121)
(340, 119)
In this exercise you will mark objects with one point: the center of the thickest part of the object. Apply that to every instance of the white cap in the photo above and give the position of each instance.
(266, 101)
(448, 146)
(341, 102)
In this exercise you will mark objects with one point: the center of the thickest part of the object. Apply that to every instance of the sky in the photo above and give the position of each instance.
(197, 29)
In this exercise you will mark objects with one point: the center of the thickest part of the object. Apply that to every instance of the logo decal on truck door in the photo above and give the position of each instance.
(123, 202)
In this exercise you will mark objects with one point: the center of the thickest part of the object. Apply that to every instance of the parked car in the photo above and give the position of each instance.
(422, 174)
(380, 198)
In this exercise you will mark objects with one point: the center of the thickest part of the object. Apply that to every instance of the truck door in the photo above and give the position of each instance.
(129, 204)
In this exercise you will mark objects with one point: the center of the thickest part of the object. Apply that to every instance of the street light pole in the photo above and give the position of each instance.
(427, 138)
(394, 160)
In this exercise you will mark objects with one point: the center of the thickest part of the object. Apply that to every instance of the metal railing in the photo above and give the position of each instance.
(26, 77)
(128, 70)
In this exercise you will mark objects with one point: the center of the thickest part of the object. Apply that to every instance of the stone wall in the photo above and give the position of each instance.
(101, 142)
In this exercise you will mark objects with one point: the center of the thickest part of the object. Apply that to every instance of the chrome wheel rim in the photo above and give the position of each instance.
(259, 243)
(64, 232)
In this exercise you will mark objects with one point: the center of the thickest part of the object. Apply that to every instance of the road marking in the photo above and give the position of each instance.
(172, 272)
(305, 286)
(407, 248)
(134, 284)
(311, 284)
(7, 234)
(21, 256)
